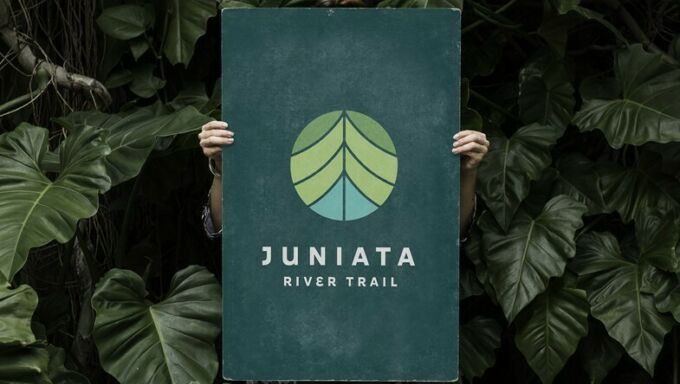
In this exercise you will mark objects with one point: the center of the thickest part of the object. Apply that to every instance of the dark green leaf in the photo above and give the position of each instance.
(24, 364)
(16, 310)
(522, 260)
(125, 22)
(144, 83)
(510, 166)
(646, 109)
(599, 353)
(118, 78)
(36, 209)
(479, 340)
(577, 177)
(188, 22)
(171, 341)
(658, 237)
(629, 191)
(614, 288)
(546, 95)
(58, 373)
(549, 329)
(138, 46)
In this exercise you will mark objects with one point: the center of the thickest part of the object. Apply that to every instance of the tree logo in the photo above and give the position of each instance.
(344, 165)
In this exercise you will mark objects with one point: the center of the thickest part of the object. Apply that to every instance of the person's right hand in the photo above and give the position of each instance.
(212, 137)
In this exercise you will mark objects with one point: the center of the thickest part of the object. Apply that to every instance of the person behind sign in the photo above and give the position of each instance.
(470, 145)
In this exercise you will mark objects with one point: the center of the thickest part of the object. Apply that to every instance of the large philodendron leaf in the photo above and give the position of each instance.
(16, 310)
(533, 250)
(614, 287)
(659, 240)
(24, 364)
(631, 191)
(479, 340)
(22, 360)
(36, 209)
(172, 341)
(510, 166)
(132, 137)
(546, 96)
(188, 21)
(647, 107)
(549, 329)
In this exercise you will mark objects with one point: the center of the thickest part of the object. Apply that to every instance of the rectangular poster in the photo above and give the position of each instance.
(341, 194)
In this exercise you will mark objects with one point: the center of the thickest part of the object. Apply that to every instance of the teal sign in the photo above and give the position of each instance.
(340, 195)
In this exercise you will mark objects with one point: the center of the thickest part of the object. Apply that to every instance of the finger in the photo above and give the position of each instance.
(215, 132)
(215, 124)
(470, 147)
(470, 138)
(215, 141)
(467, 132)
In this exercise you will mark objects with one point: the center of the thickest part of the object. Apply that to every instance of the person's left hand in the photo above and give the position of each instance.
(472, 146)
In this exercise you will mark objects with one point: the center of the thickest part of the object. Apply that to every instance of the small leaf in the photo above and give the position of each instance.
(125, 22)
(522, 261)
(646, 110)
(172, 341)
(479, 340)
(118, 78)
(510, 166)
(138, 46)
(144, 83)
(549, 329)
(614, 288)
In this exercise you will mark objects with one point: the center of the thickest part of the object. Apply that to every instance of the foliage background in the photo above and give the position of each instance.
(572, 271)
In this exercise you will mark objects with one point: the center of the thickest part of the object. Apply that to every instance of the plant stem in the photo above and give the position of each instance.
(480, 22)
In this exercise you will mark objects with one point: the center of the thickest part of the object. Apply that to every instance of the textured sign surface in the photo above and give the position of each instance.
(340, 242)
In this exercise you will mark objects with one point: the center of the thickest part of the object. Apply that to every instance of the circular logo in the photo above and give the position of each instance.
(344, 165)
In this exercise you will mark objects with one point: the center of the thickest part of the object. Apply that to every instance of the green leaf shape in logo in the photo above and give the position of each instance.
(344, 165)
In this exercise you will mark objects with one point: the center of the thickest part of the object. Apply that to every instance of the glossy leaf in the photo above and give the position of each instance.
(646, 109)
(510, 166)
(659, 240)
(533, 250)
(630, 191)
(546, 95)
(16, 310)
(344, 165)
(24, 364)
(132, 137)
(479, 340)
(172, 341)
(188, 21)
(36, 209)
(549, 329)
(126, 21)
(613, 284)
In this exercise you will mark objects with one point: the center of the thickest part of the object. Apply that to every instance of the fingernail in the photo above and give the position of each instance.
(455, 136)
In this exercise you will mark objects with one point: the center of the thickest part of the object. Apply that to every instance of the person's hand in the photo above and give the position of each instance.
(212, 137)
(472, 146)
